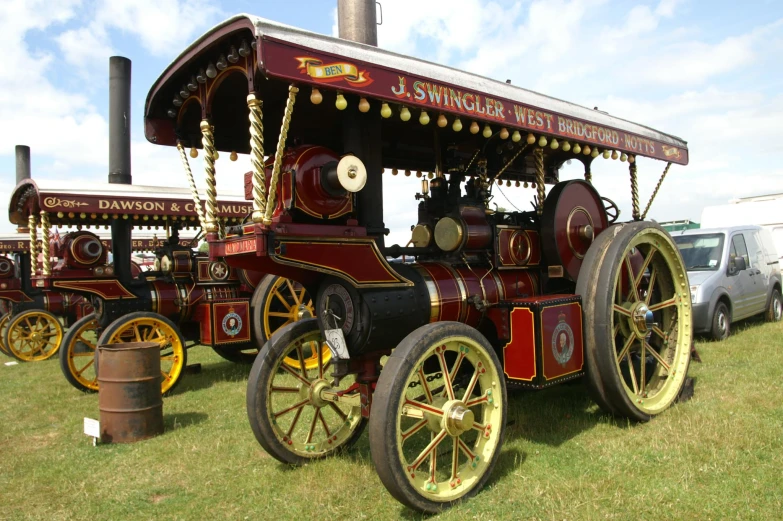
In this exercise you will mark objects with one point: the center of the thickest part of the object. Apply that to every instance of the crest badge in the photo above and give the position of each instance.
(232, 323)
(562, 341)
(218, 270)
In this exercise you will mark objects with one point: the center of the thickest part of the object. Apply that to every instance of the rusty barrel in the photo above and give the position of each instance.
(129, 399)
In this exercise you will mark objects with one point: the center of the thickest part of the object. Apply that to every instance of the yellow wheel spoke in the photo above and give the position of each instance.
(653, 274)
(281, 299)
(302, 365)
(632, 290)
(454, 458)
(646, 263)
(279, 314)
(658, 331)
(433, 462)
(413, 429)
(425, 386)
(621, 310)
(655, 354)
(136, 333)
(643, 368)
(626, 348)
(301, 295)
(76, 355)
(295, 421)
(49, 335)
(282, 389)
(633, 373)
(338, 411)
(431, 446)
(293, 292)
(319, 355)
(323, 423)
(423, 407)
(664, 304)
(471, 385)
(448, 389)
(289, 370)
(79, 373)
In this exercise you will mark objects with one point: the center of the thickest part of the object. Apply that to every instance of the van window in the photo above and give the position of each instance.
(701, 252)
(738, 248)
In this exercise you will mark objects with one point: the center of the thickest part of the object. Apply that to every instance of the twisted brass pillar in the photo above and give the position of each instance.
(208, 142)
(655, 192)
(45, 247)
(193, 189)
(257, 156)
(538, 156)
(634, 192)
(32, 226)
(289, 111)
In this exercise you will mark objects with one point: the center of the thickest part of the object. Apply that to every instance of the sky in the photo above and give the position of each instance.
(709, 72)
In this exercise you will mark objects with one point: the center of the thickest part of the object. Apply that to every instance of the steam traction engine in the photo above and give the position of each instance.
(185, 300)
(424, 351)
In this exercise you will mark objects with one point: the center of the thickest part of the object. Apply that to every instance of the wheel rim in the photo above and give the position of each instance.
(301, 420)
(448, 428)
(722, 322)
(81, 355)
(34, 336)
(3, 328)
(289, 302)
(172, 355)
(651, 322)
(777, 311)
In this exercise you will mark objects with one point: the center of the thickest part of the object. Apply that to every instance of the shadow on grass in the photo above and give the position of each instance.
(181, 420)
(209, 375)
(736, 328)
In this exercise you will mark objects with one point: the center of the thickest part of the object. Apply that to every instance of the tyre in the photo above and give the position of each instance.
(3, 328)
(33, 335)
(721, 322)
(775, 308)
(285, 406)
(145, 326)
(77, 354)
(277, 302)
(436, 436)
(638, 321)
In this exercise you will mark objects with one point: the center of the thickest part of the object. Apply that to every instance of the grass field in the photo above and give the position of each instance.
(718, 456)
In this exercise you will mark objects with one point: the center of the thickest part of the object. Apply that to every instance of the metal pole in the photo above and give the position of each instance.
(356, 21)
(362, 132)
(22, 163)
(119, 120)
(120, 158)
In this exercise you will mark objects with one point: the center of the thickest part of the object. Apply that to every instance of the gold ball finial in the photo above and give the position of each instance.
(503, 133)
(487, 133)
(430, 175)
(405, 114)
(516, 137)
(474, 128)
(386, 111)
(407, 173)
(340, 102)
(632, 159)
(457, 125)
(566, 146)
(606, 154)
(233, 156)
(316, 97)
(525, 185)
(424, 118)
(395, 171)
(554, 144)
(595, 152)
(364, 105)
(577, 148)
(508, 182)
(442, 121)
(623, 157)
(531, 139)
(517, 184)
(418, 173)
(586, 150)
(542, 141)
(615, 155)
(193, 152)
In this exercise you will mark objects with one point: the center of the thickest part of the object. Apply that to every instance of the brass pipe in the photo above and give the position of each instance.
(655, 192)
(208, 142)
(255, 116)
(508, 164)
(32, 226)
(289, 110)
(193, 190)
(45, 246)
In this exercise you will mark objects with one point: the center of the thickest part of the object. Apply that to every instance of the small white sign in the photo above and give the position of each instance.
(336, 342)
(12, 363)
(92, 428)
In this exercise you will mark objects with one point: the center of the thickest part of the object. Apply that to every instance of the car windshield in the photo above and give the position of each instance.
(701, 252)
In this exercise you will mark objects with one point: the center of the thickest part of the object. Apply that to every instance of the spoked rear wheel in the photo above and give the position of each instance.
(285, 404)
(144, 326)
(641, 320)
(33, 335)
(438, 416)
(77, 356)
(277, 302)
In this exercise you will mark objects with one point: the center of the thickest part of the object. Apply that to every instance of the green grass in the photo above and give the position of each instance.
(718, 456)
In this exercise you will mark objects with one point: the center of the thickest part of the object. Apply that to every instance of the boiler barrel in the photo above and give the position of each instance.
(129, 399)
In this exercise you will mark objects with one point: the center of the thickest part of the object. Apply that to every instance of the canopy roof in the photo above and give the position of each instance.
(185, 93)
(71, 204)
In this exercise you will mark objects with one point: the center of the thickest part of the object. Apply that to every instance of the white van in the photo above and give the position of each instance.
(734, 274)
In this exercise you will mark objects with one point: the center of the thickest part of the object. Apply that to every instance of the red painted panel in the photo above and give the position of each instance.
(204, 315)
(109, 289)
(359, 262)
(519, 354)
(449, 296)
(14, 295)
(561, 340)
(231, 322)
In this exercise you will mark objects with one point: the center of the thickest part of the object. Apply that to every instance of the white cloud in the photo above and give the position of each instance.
(86, 46)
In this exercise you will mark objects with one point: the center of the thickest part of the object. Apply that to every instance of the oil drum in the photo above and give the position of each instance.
(129, 399)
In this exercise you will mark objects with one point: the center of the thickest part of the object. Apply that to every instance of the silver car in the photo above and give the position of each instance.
(734, 274)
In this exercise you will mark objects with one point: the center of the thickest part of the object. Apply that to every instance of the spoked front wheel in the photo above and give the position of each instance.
(289, 407)
(639, 320)
(438, 416)
(3, 328)
(77, 356)
(33, 335)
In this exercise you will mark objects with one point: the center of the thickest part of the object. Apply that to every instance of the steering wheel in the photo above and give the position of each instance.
(612, 211)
